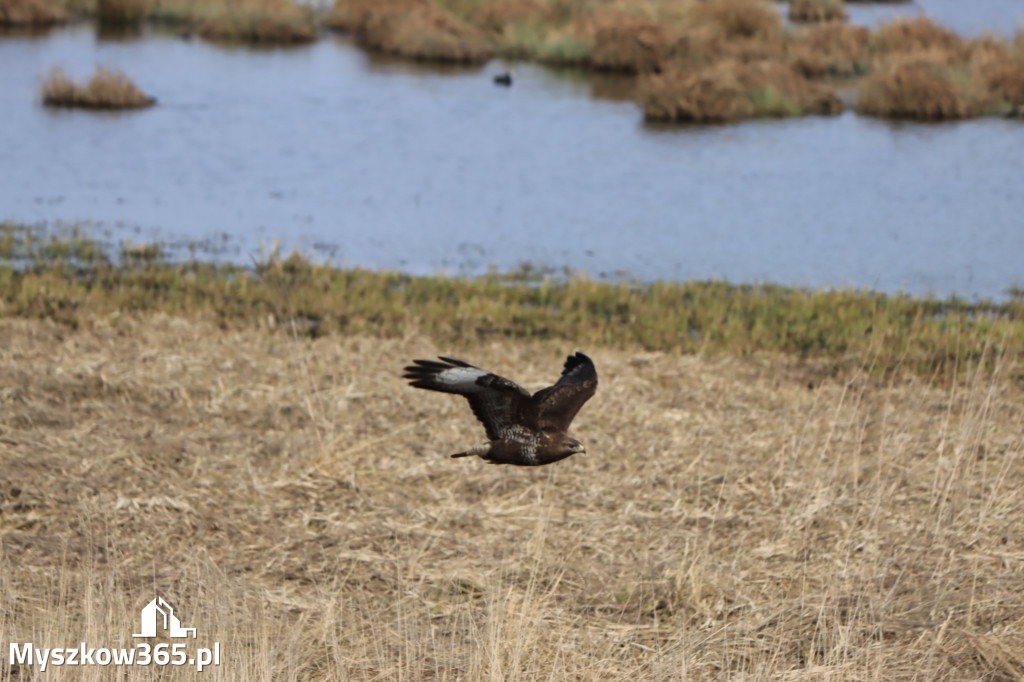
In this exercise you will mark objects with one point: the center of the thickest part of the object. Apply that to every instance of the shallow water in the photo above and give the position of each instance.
(999, 17)
(383, 164)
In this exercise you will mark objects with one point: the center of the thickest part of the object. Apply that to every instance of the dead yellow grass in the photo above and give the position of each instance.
(293, 499)
(106, 89)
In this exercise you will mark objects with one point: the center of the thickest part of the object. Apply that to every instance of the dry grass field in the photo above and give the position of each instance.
(736, 519)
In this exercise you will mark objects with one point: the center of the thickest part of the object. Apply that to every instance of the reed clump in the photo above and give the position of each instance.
(631, 44)
(739, 19)
(122, 12)
(925, 72)
(415, 29)
(915, 91)
(516, 28)
(32, 13)
(271, 22)
(732, 90)
(737, 30)
(496, 17)
(831, 49)
(817, 10)
(709, 61)
(106, 89)
(915, 36)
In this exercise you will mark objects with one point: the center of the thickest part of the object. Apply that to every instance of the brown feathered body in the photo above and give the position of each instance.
(523, 429)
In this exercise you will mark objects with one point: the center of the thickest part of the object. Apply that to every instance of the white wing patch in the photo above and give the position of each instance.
(461, 378)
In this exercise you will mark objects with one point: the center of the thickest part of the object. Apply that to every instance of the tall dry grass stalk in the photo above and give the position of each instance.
(292, 498)
(106, 89)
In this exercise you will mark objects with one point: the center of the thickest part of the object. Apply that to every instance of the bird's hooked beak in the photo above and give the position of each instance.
(579, 448)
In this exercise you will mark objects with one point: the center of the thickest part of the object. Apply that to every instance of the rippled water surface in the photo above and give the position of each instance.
(387, 165)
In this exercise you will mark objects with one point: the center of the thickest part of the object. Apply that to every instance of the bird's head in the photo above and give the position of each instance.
(573, 446)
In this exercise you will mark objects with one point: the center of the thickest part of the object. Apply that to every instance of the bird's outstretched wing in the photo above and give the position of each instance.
(497, 402)
(557, 405)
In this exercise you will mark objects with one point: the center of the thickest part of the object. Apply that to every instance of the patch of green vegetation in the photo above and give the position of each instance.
(69, 282)
(20, 247)
(769, 101)
(565, 49)
(522, 40)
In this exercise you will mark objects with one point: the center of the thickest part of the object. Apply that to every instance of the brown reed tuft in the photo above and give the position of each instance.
(738, 19)
(495, 17)
(122, 12)
(277, 22)
(817, 10)
(730, 90)
(914, 36)
(29, 13)
(830, 49)
(106, 89)
(999, 68)
(414, 29)
(630, 44)
(913, 91)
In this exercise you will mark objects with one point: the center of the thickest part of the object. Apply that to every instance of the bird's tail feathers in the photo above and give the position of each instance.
(480, 450)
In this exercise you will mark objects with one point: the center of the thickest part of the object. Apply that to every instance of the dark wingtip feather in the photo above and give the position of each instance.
(453, 361)
(576, 360)
(421, 371)
(578, 368)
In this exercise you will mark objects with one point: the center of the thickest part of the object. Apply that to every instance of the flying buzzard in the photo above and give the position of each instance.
(523, 429)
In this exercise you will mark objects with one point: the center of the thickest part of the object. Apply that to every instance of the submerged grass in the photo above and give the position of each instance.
(106, 89)
(921, 335)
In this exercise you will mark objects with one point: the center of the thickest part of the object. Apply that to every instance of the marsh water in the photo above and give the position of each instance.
(377, 163)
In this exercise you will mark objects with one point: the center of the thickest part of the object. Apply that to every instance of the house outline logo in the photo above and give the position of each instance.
(171, 623)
